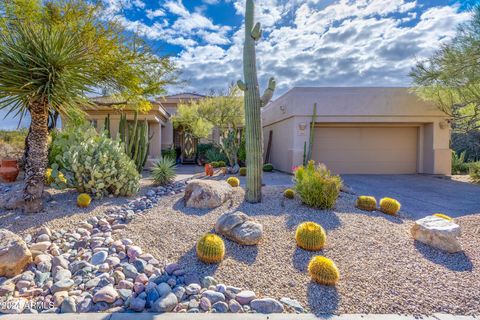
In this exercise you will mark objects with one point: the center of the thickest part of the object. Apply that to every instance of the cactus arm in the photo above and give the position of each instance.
(268, 94)
(241, 85)
(133, 137)
(256, 32)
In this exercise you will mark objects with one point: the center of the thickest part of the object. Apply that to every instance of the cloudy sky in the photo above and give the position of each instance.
(305, 42)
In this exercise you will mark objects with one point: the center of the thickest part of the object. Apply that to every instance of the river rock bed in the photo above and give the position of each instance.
(84, 269)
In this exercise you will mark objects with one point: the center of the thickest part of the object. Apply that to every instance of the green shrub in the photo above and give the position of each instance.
(170, 153)
(164, 171)
(243, 171)
(215, 155)
(475, 171)
(459, 165)
(242, 151)
(316, 185)
(268, 167)
(99, 166)
(221, 164)
(214, 164)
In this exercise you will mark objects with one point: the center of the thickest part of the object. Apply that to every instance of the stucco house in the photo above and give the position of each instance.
(164, 135)
(358, 130)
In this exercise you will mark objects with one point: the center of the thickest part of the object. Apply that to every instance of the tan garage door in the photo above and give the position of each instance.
(368, 150)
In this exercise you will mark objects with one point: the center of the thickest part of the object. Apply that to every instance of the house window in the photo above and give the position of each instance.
(94, 123)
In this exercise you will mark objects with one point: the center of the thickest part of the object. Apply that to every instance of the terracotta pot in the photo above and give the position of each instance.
(208, 170)
(9, 170)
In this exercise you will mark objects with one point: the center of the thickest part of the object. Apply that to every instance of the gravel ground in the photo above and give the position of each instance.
(382, 269)
(60, 209)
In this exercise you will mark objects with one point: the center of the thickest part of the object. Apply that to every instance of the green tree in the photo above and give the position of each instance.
(451, 79)
(223, 112)
(54, 52)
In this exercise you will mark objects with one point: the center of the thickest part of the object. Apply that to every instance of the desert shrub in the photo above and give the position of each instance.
(55, 178)
(323, 271)
(233, 181)
(83, 200)
(389, 206)
(310, 236)
(316, 185)
(459, 165)
(474, 171)
(210, 248)
(215, 155)
(164, 171)
(170, 153)
(12, 143)
(268, 167)
(99, 166)
(242, 171)
(367, 203)
(289, 193)
(242, 151)
(221, 164)
(214, 164)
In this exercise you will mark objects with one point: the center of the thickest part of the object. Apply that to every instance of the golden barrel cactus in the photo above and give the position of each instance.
(323, 271)
(389, 206)
(289, 193)
(83, 200)
(233, 181)
(367, 203)
(210, 248)
(310, 236)
(443, 216)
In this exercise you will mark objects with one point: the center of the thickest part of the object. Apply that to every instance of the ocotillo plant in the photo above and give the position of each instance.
(253, 103)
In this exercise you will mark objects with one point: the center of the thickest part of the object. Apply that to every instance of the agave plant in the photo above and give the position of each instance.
(164, 171)
(41, 70)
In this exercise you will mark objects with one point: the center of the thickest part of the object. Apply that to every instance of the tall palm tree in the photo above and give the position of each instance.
(42, 69)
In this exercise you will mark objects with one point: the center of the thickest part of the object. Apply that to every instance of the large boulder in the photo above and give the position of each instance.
(206, 194)
(239, 227)
(437, 232)
(14, 254)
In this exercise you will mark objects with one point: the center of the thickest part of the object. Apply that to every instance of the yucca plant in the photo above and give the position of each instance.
(42, 69)
(164, 171)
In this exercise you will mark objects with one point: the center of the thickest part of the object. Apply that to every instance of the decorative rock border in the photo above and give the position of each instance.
(85, 270)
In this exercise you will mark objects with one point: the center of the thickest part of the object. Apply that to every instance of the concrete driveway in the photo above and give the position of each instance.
(420, 195)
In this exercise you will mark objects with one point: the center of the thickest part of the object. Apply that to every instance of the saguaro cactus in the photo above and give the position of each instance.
(253, 103)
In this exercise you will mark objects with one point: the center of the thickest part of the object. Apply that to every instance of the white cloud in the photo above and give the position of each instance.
(343, 43)
(152, 14)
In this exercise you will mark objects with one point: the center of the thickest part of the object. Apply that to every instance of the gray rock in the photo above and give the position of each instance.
(239, 227)
(125, 293)
(266, 305)
(293, 304)
(245, 297)
(99, 257)
(85, 305)
(179, 291)
(213, 296)
(163, 289)
(62, 285)
(137, 304)
(209, 281)
(235, 306)
(68, 305)
(170, 268)
(60, 261)
(166, 303)
(129, 270)
(220, 307)
(193, 288)
(92, 283)
(206, 193)
(62, 274)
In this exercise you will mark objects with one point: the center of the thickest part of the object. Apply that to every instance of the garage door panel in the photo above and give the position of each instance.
(367, 149)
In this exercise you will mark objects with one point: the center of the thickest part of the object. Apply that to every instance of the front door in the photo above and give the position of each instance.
(189, 148)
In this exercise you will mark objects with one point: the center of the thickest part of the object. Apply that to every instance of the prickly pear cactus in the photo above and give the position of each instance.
(253, 103)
